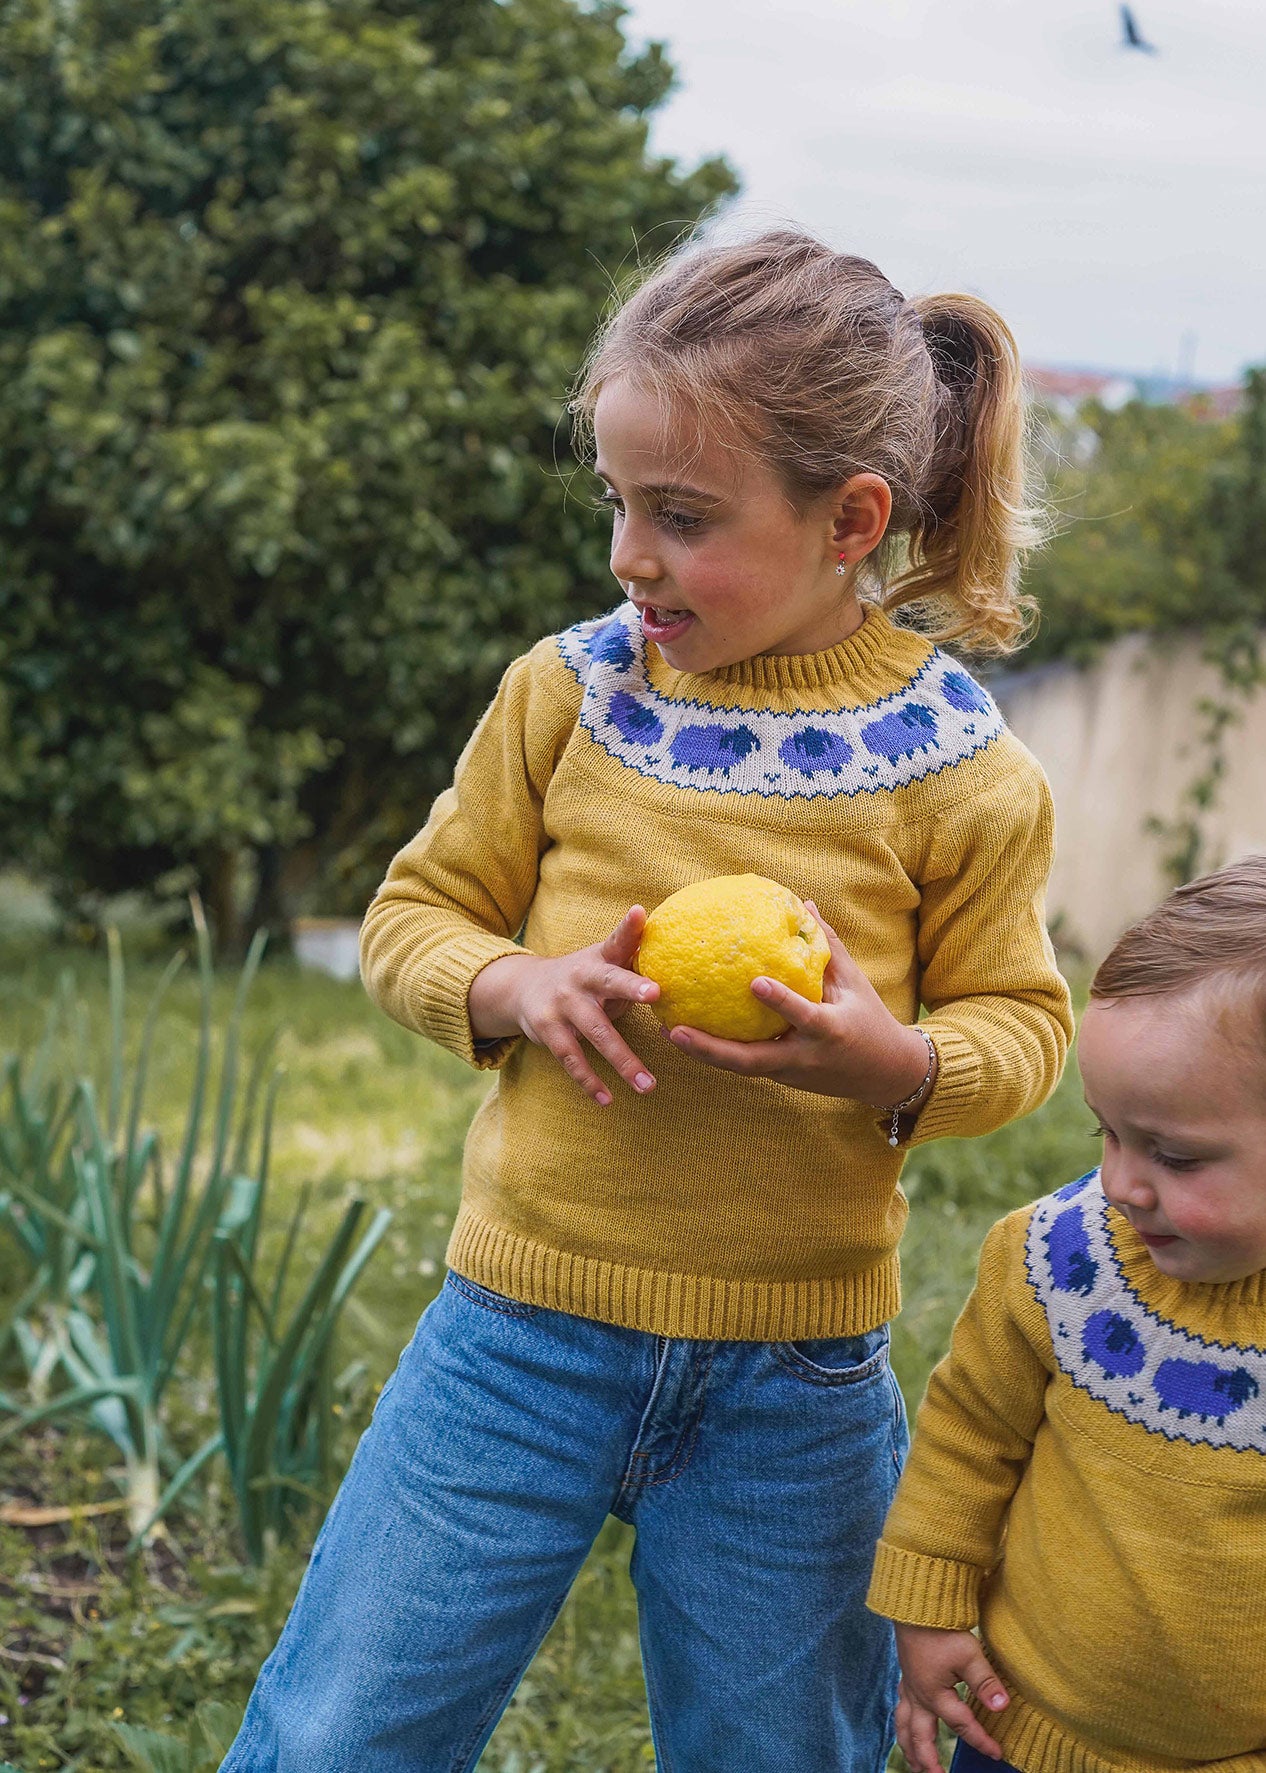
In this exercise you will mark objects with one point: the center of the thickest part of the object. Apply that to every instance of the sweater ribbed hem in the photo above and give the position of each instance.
(707, 1307)
(1037, 1744)
(920, 1590)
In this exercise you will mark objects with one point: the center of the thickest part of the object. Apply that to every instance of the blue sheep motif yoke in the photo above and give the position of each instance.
(939, 718)
(1112, 1345)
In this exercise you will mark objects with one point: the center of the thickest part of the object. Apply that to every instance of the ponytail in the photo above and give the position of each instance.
(962, 551)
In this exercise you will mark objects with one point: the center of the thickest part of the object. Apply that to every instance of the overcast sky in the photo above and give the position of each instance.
(1111, 203)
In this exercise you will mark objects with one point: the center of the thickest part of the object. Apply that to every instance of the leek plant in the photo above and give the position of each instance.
(136, 1264)
(275, 1381)
(150, 1236)
(39, 1200)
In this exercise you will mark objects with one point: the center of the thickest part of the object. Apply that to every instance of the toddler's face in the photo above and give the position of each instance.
(1182, 1107)
(707, 544)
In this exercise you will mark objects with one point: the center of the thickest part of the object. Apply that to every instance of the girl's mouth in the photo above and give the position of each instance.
(663, 626)
(1155, 1241)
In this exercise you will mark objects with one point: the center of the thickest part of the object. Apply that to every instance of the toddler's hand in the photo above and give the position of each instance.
(558, 1002)
(848, 1045)
(932, 1663)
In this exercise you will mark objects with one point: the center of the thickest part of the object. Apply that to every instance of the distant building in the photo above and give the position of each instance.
(1215, 403)
(1064, 391)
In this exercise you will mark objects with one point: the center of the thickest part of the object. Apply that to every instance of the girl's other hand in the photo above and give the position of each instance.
(932, 1664)
(850, 1044)
(558, 1003)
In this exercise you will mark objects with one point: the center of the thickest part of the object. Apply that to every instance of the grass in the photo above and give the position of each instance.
(93, 1639)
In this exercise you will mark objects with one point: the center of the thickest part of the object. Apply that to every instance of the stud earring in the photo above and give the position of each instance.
(841, 566)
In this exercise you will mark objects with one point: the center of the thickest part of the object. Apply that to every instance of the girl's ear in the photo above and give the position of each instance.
(861, 509)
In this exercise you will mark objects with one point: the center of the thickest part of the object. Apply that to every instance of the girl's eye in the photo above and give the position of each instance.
(681, 521)
(611, 502)
(1101, 1131)
(1180, 1164)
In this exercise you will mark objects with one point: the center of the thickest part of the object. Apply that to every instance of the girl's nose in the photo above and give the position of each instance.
(633, 561)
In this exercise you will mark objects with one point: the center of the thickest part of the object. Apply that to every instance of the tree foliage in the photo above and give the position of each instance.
(1162, 526)
(1167, 531)
(291, 292)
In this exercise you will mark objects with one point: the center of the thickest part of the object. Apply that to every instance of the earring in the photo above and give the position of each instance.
(842, 567)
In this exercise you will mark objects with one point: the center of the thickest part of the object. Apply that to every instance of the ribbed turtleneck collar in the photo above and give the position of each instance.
(869, 661)
(1197, 1304)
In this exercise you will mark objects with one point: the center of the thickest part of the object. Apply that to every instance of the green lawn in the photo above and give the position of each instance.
(365, 1108)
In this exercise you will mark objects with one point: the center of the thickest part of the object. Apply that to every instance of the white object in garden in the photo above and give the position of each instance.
(328, 945)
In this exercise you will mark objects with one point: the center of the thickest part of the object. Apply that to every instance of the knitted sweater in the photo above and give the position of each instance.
(1088, 1484)
(875, 778)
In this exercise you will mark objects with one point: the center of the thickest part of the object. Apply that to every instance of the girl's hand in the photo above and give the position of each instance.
(559, 1002)
(848, 1045)
(932, 1663)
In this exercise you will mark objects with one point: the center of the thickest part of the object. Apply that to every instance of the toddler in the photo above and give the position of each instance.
(1087, 1484)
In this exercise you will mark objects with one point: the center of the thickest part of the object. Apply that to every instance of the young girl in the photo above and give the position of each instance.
(675, 1258)
(1088, 1477)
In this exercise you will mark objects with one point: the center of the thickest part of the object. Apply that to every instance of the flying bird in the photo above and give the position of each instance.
(1131, 37)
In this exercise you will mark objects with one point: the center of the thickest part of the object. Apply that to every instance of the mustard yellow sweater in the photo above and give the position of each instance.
(1088, 1484)
(877, 779)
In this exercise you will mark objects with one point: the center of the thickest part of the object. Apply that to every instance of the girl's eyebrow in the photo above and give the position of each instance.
(672, 489)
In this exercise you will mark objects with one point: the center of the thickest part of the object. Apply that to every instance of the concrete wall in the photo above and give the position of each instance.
(1119, 742)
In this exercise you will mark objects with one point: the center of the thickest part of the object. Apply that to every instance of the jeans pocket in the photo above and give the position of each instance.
(836, 1360)
(478, 1294)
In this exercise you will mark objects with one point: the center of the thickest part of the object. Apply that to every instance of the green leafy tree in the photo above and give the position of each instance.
(1237, 509)
(1166, 531)
(291, 292)
(1139, 547)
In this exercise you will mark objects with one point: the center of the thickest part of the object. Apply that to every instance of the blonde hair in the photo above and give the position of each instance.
(813, 361)
(1209, 933)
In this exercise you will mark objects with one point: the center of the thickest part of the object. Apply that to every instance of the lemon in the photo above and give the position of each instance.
(704, 945)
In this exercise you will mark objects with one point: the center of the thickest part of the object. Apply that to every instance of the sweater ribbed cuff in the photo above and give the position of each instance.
(920, 1590)
(439, 987)
(958, 1077)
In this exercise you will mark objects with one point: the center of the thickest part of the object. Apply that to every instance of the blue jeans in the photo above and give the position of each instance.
(757, 1476)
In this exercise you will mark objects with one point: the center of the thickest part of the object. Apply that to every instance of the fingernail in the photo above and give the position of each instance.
(680, 1037)
(646, 991)
(761, 987)
(998, 1701)
(644, 1081)
(602, 1099)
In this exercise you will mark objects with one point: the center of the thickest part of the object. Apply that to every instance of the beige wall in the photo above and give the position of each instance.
(1119, 741)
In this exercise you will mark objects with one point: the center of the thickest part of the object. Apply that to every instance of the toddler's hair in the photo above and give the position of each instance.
(811, 360)
(1211, 932)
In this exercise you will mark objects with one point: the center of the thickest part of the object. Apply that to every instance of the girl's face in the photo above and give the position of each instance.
(708, 546)
(1182, 1109)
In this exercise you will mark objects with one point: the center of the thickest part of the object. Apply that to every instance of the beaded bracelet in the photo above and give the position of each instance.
(896, 1112)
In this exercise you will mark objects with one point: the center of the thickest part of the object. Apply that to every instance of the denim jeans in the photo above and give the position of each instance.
(756, 1475)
